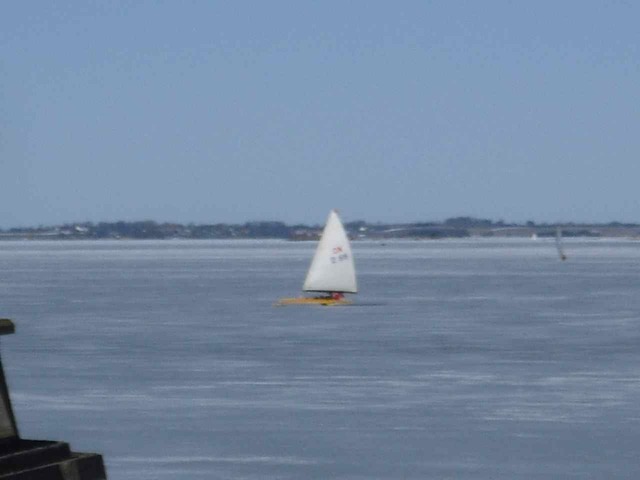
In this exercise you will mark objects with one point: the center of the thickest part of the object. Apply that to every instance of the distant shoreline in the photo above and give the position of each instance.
(458, 227)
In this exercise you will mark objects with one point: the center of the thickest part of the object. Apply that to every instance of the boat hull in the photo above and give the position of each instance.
(328, 302)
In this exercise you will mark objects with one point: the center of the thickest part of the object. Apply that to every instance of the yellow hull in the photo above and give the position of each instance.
(312, 301)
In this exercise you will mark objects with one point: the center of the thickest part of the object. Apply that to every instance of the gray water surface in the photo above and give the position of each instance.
(478, 359)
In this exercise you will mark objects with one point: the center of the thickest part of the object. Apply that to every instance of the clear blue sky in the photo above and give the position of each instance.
(390, 111)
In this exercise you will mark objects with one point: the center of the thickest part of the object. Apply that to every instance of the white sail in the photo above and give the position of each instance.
(332, 268)
(559, 244)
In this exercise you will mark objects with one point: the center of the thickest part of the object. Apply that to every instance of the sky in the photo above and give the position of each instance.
(234, 111)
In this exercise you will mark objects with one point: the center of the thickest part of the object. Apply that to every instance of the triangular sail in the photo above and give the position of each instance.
(332, 268)
(559, 245)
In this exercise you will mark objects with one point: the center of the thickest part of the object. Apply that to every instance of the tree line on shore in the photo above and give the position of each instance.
(456, 227)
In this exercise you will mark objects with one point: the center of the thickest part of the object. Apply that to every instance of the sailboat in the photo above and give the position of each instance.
(332, 272)
(559, 246)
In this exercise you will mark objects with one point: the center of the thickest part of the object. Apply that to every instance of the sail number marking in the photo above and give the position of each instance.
(338, 255)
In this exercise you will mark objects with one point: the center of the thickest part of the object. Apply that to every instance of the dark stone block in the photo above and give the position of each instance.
(22, 459)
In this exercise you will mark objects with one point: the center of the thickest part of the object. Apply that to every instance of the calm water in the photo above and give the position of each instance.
(461, 359)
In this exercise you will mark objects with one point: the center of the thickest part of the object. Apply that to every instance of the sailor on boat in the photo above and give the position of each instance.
(332, 296)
